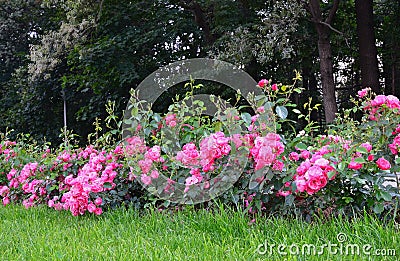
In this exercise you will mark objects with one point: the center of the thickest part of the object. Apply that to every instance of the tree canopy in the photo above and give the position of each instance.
(85, 53)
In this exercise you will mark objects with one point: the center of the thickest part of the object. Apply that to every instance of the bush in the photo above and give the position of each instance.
(261, 162)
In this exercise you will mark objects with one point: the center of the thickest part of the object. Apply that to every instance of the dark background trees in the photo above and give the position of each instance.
(87, 52)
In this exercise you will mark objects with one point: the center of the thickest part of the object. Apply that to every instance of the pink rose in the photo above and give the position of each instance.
(154, 174)
(145, 165)
(316, 183)
(145, 179)
(294, 156)
(6, 201)
(322, 162)
(354, 165)
(171, 120)
(153, 153)
(305, 154)
(392, 102)
(278, 165)
(301, 184)
(379, 100)
(98, 211)
(274, 87)
(314, 171)
(262, 83)
(191, 180)
(363, 92)
(91, 207)
(98, 201)
(367, 146)
(383, 164)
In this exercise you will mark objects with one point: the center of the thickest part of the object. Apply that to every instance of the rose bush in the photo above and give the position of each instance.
(263, 162)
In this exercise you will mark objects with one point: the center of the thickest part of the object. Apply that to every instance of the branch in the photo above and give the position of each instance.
(336, 31)
(332, 12)
(330, 27)
(200, 19)
(100, 10)
(315, 10)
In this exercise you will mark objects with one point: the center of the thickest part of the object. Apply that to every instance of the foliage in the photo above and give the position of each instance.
(234, 156)
(90, 52)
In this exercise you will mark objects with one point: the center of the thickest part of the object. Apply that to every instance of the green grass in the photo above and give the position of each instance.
(45, 234)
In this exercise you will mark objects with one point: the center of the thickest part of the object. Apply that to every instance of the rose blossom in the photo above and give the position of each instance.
(367, 146)
(145, 179)
(383, 164)
(262, 83)
(363, 92)
(354, 165)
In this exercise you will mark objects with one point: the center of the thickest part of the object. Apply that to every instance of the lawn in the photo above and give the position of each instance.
(45, 234)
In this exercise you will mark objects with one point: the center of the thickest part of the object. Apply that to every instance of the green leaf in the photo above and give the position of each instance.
(331, 174)
(157, 117)
(341, 166)
(359, 160)
(246, 118)
(296, 111)
(378, 208)
(397, 160)
(348, 200)
(218, 126)
(268, 105)
(362, 150)
(289, 199)
(260, 97)
(301, 146)
(134, 111)
(107, 185)
(282, 112)
(128, 121)
(361, 181)
(386, 196)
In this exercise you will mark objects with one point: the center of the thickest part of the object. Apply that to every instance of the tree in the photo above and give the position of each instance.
(22, 23)
(368, 54)
(388, 35)
(323, 28)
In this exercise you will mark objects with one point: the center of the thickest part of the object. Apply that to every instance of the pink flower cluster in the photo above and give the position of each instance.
(395, 145)
(7, 150)
(213, 147)
(92, 178)
(312, 174)
(362, 93)
(263, 84)
(354, 165)
(189, 156)
(265, 151)
(171, 120)
(379, 104)
(26, 181)
(152, 155)
(135, 146)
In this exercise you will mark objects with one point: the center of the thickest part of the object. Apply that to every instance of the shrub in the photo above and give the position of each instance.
(263, 162)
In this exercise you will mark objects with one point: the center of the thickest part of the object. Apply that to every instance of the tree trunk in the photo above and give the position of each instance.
(325, 55)
(328, 84)
(368, 54)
